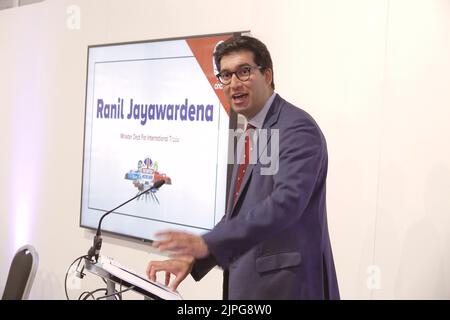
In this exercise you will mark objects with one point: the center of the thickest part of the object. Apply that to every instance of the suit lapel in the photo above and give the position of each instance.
(273, 113)
(230, 205)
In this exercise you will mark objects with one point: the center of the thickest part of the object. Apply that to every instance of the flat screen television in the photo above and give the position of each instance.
(155, 110)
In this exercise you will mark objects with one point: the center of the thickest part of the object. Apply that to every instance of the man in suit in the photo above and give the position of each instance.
(273, 241)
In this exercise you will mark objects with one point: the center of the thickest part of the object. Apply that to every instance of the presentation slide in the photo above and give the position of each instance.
(155, 111)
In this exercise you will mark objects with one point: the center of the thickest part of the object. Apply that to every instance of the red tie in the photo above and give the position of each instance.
(243, 166)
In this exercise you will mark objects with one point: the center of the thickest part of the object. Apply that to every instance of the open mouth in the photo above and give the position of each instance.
(239, 97)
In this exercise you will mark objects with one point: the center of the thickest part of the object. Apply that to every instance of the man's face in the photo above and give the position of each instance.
(246, 98)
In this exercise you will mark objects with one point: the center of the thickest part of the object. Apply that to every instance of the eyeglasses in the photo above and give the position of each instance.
(243, 74)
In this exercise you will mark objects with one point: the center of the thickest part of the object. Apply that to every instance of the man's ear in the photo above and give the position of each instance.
(268, 75)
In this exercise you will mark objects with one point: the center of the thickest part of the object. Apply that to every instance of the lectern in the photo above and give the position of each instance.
(115, 273)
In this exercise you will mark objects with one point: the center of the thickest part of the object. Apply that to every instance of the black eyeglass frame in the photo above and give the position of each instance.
(242, 78)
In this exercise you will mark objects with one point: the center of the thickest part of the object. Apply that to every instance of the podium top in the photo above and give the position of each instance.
(151, 288)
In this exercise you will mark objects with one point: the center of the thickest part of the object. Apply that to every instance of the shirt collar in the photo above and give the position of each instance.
(258, 120)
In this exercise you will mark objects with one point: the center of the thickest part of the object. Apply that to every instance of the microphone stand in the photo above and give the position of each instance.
(94, 251)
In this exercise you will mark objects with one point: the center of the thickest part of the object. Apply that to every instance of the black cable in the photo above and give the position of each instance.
(117, 293)
(67, 273)
(91, 293)
(85, 292)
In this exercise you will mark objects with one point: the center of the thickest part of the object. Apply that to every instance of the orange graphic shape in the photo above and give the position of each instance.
(203, 49)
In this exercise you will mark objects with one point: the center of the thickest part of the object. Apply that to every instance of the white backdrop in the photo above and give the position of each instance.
(374, 74)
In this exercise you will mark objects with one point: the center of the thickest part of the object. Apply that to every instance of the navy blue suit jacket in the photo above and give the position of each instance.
(274, 243)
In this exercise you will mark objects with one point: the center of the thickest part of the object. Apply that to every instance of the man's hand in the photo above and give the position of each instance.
(180, 267)
(182, 243)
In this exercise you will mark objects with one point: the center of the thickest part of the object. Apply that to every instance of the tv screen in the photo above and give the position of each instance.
(155, 111)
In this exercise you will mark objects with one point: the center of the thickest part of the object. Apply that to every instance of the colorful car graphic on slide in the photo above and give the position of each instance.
(146, 175)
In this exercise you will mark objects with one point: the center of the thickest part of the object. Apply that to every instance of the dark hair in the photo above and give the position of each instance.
(245, 43)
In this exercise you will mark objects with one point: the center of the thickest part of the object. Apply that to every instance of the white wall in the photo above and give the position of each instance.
(375, 75)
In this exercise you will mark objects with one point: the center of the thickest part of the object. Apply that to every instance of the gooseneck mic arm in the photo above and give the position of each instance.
(94, 251)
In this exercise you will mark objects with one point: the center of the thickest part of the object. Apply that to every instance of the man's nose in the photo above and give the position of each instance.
(235, 82)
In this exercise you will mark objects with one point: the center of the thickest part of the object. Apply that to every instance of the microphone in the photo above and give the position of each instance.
(94, 251)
